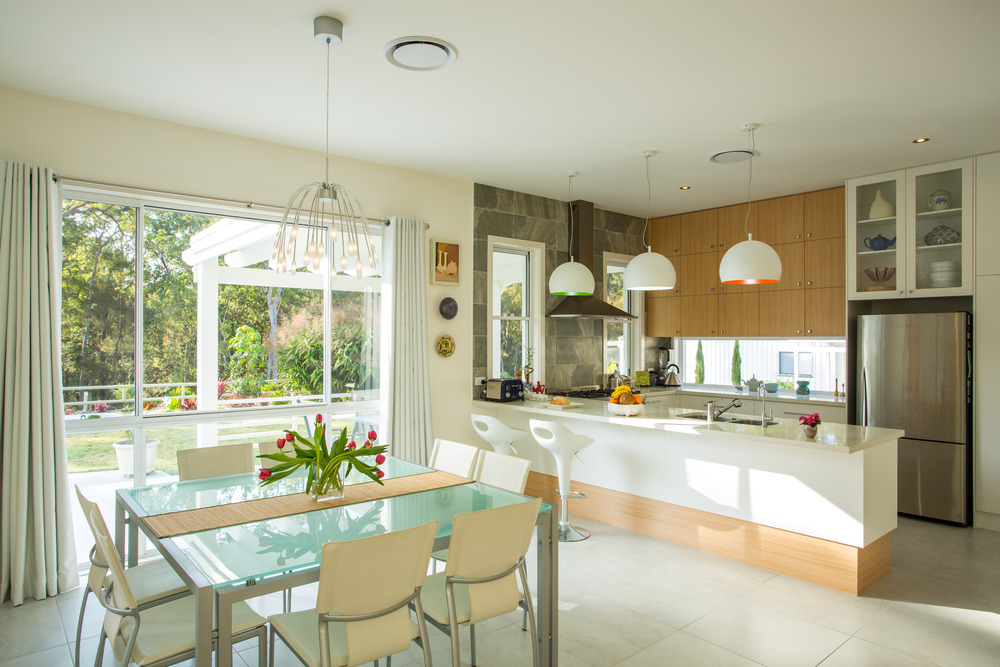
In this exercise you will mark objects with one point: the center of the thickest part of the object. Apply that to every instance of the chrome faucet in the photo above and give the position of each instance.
(764, 416)
(735, 403)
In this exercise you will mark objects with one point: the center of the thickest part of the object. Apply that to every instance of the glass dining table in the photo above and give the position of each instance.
(245, 560)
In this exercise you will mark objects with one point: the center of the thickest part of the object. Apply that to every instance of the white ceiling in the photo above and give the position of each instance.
(545, 86)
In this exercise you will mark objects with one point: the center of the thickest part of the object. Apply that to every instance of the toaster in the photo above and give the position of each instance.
(503, 390)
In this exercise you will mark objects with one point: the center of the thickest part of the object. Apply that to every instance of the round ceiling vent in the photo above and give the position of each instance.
(730, 157)
(420, 53)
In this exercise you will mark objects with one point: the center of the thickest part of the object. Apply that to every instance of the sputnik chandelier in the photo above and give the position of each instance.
(321, 207)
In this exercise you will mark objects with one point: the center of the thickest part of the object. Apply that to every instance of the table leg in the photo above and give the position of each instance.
(120, 528)
(547, 585)
(224, 645)
(203, 616)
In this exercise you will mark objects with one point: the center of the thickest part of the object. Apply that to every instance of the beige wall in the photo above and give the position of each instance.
(85, 142)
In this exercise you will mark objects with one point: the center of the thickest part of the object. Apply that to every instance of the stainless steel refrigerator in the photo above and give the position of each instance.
(915, 374)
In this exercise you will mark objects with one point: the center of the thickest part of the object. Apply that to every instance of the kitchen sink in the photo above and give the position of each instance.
(752, 421)
(703, 416)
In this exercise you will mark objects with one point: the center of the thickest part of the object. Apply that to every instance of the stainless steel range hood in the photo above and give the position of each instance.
(582, 249)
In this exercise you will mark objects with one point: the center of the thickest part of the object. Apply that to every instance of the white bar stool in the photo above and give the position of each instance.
(500, 436)
(563, 444)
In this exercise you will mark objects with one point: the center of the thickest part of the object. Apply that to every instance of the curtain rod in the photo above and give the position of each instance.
(69, 180)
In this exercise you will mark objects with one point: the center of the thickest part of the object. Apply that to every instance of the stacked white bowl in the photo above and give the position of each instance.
(945, 274)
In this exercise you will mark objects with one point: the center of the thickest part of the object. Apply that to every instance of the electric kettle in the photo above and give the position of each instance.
(672, 379)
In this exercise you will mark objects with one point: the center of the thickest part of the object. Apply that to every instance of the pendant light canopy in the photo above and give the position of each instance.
(571, 278)
(323, 208)
(750, 262)
(650, 270)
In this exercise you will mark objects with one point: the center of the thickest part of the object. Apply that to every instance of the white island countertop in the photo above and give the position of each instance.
(832, 437)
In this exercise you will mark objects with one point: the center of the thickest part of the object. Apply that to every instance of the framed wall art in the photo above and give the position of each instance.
(444, 262)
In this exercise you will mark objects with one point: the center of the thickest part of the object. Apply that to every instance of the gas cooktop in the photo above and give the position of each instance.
(581, 393)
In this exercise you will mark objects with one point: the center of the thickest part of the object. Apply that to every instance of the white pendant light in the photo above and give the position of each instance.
(650, 270)
(750, 262)
(571, 278)
(325, 205)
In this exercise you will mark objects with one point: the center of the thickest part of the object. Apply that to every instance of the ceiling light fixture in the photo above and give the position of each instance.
(649, 270)
(750, 262)
(685, 187)
(571, 278)
(316, 205)
(731, 157)
(921, 140)
(419, 53)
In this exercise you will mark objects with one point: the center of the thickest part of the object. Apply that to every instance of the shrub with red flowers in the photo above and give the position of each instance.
(324, 460)
(810, 420)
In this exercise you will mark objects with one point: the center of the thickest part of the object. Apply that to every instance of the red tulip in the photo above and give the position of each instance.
(380, 459)
(319, 419)
(265, 473)
(289, 437)
(281, 443)
(368, 443)
(352, 445)
(372, 435)
(381, 474)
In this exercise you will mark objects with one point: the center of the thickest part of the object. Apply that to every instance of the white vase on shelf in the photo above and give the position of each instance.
(881, 208)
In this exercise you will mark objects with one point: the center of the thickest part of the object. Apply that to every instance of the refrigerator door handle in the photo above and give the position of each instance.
(864, 397)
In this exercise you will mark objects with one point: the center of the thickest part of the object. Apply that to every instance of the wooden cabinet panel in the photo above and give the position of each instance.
(825, 312)
(823, 214)
(663, 316)
(699, 316)
(792, 268)
(824, 263)
(665, 235)
(699, 232)
(731, 223)
(700, 274)
(778, 220)
(739, 315)
(678, 261)
(781, 313)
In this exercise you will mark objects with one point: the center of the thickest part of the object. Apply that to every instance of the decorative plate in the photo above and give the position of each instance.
(448, 308)
(446, 346)
(942, 234)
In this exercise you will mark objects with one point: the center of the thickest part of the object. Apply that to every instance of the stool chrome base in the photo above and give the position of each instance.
(568, 533)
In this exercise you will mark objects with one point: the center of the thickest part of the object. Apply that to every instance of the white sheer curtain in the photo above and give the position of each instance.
(408, 391)
(37, 553)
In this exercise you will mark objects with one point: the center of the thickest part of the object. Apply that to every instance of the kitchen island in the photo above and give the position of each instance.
(819, 509)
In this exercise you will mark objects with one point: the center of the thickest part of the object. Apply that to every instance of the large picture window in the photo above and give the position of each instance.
(515, 275)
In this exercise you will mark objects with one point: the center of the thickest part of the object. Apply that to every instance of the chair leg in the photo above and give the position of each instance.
(530, 611)
(472, 642)
(79, 628)
(100, 650)
(422, 627)
(524, 620)
(456, 658)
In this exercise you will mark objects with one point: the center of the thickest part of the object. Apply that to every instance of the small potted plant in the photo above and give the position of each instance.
(124, 453)
(809, 424)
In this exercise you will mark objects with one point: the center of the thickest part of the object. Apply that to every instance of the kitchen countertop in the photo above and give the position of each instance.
(832, 437)
(785, 395)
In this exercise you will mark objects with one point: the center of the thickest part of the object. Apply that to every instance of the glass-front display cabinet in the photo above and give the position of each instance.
(909, 234)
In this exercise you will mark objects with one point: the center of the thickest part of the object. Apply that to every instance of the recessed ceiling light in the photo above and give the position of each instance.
(921, 140)
(419, 53)
(685, 187)
(731, 157)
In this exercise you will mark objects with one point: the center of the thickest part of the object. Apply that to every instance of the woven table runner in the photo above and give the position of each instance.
(221, 516)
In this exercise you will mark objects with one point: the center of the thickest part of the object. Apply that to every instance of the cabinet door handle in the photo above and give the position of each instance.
(809, 234)
(711, 289)
(798, 331)
(899, 292)
(797, 284)
(713, 330)
(809, 330)
(911, 291)
(798, 236)
(677, 331)
(809, 282)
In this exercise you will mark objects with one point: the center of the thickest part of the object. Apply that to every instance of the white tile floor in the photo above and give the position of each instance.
(630, 600)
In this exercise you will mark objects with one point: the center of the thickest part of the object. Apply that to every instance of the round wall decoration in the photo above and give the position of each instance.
(448, 308)
(446, 346)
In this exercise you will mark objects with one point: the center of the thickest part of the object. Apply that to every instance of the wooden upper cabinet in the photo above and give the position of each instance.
(825, 312)
(779, 220)
(731, 222)
(782, 314)
(699, 274)
(699, 232)
(699, 316)
(792, 268)
(663, 316)
(665, 235)
(823, 216)
(739, 315)
(824, 263)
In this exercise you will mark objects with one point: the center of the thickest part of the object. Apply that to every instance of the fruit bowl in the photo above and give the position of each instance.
(880, 275)
(624, 410)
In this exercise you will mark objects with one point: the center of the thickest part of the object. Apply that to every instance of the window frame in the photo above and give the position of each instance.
(535, 252)
(634, 329)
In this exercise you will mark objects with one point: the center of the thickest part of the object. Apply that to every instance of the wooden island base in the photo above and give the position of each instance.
(839, 566)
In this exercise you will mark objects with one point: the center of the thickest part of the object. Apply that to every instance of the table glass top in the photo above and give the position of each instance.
(213, 491)
(236, 554)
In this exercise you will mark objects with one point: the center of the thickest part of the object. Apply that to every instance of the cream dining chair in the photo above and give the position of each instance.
(454, 457)
(203, 462)
(362, 608)
(506, 472)
(486, 551)
(152, 583)
(162, 635)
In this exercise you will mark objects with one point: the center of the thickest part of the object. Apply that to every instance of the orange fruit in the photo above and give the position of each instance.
(614, 400)
(638, 400)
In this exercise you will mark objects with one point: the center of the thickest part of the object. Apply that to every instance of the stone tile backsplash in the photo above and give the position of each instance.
(574, 348)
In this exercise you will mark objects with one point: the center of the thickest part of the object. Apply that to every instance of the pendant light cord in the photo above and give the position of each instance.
(569, 196)
(649, 197)
(753, 152)
(326, 182)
